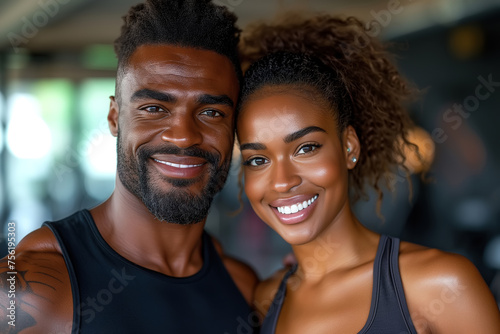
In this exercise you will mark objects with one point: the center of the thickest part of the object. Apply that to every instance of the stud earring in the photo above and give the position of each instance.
(348, 150)
(354, 159)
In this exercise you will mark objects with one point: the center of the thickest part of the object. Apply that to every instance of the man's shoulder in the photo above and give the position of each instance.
(34, 281)
(242, 274)
(40, 240)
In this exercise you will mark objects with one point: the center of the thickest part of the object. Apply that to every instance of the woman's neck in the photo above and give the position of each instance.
(344, 244)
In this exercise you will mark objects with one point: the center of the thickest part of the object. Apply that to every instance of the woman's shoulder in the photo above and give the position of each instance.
(444, 291)
(419, 263)
(428, 269)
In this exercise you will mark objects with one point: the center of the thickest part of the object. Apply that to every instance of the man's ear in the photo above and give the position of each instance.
(352, 147)
(113, 116)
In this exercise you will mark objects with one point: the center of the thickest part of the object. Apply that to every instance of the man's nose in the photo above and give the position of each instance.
(182, 131)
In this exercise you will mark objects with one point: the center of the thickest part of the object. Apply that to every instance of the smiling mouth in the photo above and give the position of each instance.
(294, 208)
(171, 164)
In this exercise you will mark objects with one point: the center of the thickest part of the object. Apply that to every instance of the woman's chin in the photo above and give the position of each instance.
(297, 239)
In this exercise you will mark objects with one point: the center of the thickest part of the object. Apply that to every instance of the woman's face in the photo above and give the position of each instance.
(295, 165)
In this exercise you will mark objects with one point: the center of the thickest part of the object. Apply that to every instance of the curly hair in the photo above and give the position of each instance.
(352, 71)
(191, 23)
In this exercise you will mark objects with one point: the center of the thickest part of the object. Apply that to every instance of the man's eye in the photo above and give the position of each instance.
(212, 113)
(153, 109)
(255, 162)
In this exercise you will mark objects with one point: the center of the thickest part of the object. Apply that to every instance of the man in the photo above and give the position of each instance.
(141, 261)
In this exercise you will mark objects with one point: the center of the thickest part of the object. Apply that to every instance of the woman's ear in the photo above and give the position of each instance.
(113, 116)
(351, 146)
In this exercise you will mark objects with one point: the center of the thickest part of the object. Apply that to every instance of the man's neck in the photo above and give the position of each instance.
(133, 232)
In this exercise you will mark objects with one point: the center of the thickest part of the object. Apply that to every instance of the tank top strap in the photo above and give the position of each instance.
(271, 319)
(388, 312)
(398, 284)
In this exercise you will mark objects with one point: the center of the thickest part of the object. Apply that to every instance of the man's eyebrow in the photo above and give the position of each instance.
(216, 99)
(252, 146)
(301, 133)
(152, 94)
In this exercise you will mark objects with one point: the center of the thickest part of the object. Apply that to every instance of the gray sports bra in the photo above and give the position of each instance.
(388, 312)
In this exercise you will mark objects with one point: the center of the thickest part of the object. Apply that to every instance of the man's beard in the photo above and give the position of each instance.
(178, 205)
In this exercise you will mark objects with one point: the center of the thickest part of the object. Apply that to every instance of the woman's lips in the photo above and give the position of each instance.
(295, 209)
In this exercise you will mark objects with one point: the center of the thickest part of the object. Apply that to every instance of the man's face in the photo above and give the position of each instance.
(175, 129)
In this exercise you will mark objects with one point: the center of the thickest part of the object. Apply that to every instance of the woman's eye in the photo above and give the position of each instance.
(212, 113)
(308, 148)
(255, 162)
(153, 109)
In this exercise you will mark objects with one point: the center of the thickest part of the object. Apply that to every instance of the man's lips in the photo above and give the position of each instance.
(174, 159)
(179, 166)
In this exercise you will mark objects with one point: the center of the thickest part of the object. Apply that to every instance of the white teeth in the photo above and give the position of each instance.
(296, 207)
(177, 165)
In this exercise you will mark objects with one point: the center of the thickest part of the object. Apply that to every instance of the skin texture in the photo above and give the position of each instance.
(332, 287)
(44, 298)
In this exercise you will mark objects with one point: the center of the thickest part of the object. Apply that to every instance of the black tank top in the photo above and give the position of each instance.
(114, 295)
(388, 312)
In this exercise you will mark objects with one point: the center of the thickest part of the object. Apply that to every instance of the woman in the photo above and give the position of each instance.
(321, 115)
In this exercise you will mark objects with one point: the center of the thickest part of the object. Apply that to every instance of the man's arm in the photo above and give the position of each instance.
(35, 292)
(242, 274)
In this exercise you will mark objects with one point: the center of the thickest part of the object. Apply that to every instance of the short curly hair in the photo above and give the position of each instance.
(339, 60)
(190, 23)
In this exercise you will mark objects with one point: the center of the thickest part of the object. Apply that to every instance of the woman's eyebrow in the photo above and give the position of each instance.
(252, 146)
(288, 139)
(301, 133)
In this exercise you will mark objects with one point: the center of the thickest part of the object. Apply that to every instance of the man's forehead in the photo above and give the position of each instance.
(159, 57)
(163, 64)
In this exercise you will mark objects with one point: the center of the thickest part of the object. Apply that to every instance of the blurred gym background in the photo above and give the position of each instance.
(57, 69)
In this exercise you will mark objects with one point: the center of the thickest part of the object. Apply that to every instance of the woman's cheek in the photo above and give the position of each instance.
(251, 186)
(255, 188)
